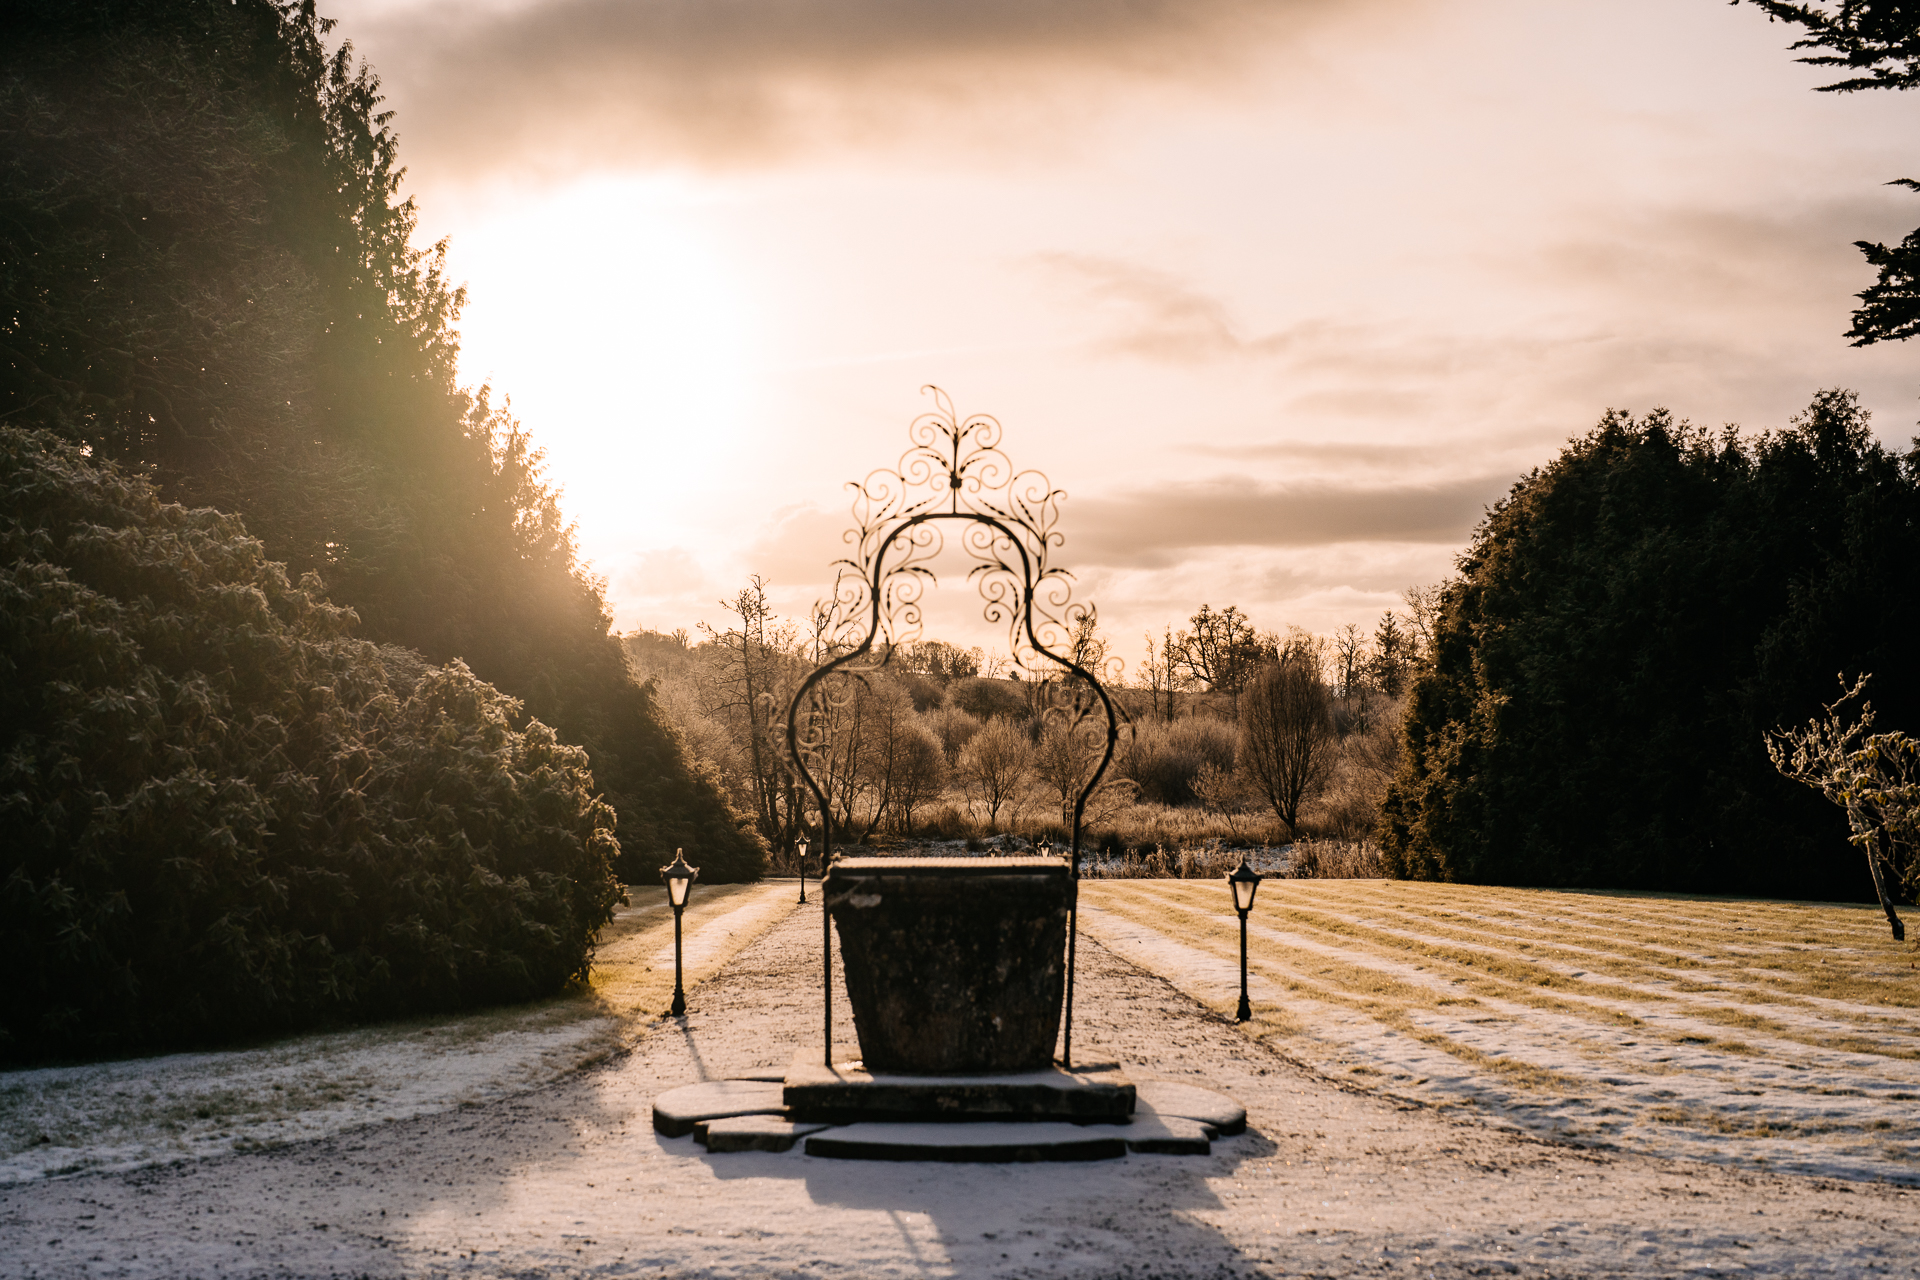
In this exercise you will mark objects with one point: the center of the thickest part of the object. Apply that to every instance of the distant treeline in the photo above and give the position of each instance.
(1228, 732)
(208, 283)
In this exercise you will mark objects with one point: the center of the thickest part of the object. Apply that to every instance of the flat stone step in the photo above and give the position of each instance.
(846, 1093)
(752, 1133)
(981, 1142)
(1167, 1100)
(677, 1111)
(1168, 1136)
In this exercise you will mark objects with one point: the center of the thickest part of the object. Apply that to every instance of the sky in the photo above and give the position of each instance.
(1282, 295)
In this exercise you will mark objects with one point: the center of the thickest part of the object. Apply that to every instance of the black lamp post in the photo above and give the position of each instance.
(800, 846)
(680, 877)
(1244, 882)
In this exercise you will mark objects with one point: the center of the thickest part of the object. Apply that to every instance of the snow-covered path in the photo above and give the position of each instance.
(571, 1180)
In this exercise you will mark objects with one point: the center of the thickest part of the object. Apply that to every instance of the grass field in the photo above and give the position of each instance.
(1782, 1034)
(126, 1113)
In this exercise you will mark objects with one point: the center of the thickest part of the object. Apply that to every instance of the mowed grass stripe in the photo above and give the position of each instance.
(1351, 983)
(1485, 970)
(1476, 961)
(1842, 983)
(1872, 998)
(1490, 971)
(1383, 998)
(1435, 994)
(1828, 1016)
(1836, 928)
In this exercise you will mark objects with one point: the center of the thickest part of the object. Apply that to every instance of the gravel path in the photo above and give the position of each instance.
(571, 1180)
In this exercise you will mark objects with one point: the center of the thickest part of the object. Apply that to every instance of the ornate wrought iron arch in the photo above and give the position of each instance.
(955, 473)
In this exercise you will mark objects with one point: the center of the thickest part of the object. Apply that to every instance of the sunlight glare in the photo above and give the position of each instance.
(627, 341)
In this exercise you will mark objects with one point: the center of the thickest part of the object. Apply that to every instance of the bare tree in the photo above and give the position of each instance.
(1086, 647)
(837, 715)
(1064, 759)
(922, 777)
(1161, 674)
(938, 660)
(751, 666)
(1289, 741)
(995, 765)
(1875, 777)
(889, 745)
(1350, 659)
(1222, 650)
(1423, 611)
(1226, 793)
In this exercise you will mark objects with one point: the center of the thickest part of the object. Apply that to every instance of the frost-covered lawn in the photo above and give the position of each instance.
(1782, 1034)
(122, 1114)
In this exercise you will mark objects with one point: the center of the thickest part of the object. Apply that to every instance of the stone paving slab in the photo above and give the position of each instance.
(752, 1133)
(1171, 1136)
(1191, 1102)
(677, 1111)
(847, 1093)
(981, 1142)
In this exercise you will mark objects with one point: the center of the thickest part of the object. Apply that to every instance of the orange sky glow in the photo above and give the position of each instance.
(1282, 294)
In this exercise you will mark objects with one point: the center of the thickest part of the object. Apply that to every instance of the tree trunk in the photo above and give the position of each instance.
(1875, 862)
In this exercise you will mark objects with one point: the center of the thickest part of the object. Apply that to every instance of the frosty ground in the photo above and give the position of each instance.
(1338, 1174)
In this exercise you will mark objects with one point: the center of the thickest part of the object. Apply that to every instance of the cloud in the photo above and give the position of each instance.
(1795, 260)
(562, 83)
(1151, 528)
(1359, 455)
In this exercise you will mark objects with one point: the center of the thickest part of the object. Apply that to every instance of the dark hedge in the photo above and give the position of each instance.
(1628, 623)
(221, 814)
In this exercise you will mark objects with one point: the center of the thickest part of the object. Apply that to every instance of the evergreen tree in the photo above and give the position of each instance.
(1628, 624)
(207, 275)
(1877, 42)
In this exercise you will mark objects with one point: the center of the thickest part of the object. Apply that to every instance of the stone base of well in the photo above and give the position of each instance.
(1090, 1113)
(847, 1093)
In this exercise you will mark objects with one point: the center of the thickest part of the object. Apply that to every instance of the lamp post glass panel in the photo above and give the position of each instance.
(679, 877)
(1244, 882)
(800, 846)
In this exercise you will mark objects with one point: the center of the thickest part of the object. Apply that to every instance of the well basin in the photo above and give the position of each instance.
(953, 965)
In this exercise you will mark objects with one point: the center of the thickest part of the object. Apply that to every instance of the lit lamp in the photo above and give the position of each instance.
(1244, 882)
(800, 845)
(680, 877)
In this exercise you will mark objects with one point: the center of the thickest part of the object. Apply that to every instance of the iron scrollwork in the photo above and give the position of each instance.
(954, 472)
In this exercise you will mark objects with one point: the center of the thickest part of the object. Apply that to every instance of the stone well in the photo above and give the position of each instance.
(953, 965)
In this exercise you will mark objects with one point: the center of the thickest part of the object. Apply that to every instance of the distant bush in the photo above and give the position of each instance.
(1164, 760)
(220, 814)
(988, 699)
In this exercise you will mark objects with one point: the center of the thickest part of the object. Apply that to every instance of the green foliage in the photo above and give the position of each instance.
(1628, 622)
(204, 273)
(1878, 37)
(1879, 41)
(220, 813)
(1890, 306)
